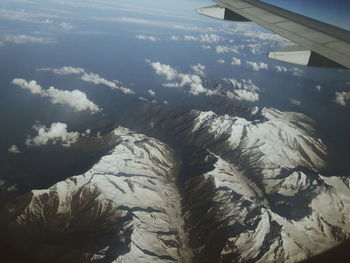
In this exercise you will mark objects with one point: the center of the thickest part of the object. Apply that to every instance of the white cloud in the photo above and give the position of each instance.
(181, 80)
(149, 38)
(32, 85)
(14, 149)
(56, 133)
(295, 102)
(206, 47)
(226, 49)
(236, 61)
(66, 26)
(265, 36)
(244, 90)
(75, 99)
(318, 87)
(151, 92)
(204, 38)
(342, 98)
(67, 70)
(209, 38)
(23, 39)
(280, 69)
(296, 72)
(198, 69)
(164, 70)
(175, 38)
(221, 61)
(143, 99)
(257, 66)
(155, 23)
(87, 77)
(96, 79)
(190, 38)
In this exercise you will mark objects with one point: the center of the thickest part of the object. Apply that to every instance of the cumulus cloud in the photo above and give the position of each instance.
(87, 77)
(155, 23)
(297, 72)
(266, 36)
(198, 69)
(164, 70)
(190, 38)
(179, 79)
(56, 133)
(226, 49)
(342, 98)
(204, 38)
(295, 102)
(221, 61)
(149, 38)
(210, 38)
(24, 39)
(151, 92)
(318, 87)
(75, 98)
(14, 149)
(32, 86)
(68, 70)
(175, 38)
(206, 47)
(244, 90)
(236, 61)
(257, 66)
(280, 69)
(65, 26)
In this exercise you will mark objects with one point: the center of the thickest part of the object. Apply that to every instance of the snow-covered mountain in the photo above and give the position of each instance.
(228, 189)
(126, 208)
(266, 199)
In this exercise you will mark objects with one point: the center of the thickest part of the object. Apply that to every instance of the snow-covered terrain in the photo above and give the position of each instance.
(235, 190)
(129, 197)
(264, 204)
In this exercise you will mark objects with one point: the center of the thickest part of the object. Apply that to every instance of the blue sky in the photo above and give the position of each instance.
(333, 12)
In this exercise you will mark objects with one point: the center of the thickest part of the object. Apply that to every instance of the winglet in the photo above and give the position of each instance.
(302, 56)
(222, 13)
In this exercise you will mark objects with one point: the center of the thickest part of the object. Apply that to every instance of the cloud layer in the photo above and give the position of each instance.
(24, 39)
(75, 98)
(149, 38)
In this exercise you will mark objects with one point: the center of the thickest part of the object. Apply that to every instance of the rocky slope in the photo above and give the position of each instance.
(235, 189)
(265, 200)
(252, 186)
(126, 208)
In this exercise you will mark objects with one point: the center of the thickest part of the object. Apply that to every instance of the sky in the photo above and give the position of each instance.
(332, 12)
(66, 65)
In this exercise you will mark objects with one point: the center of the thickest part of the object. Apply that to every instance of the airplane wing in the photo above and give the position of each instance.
(318, 44)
